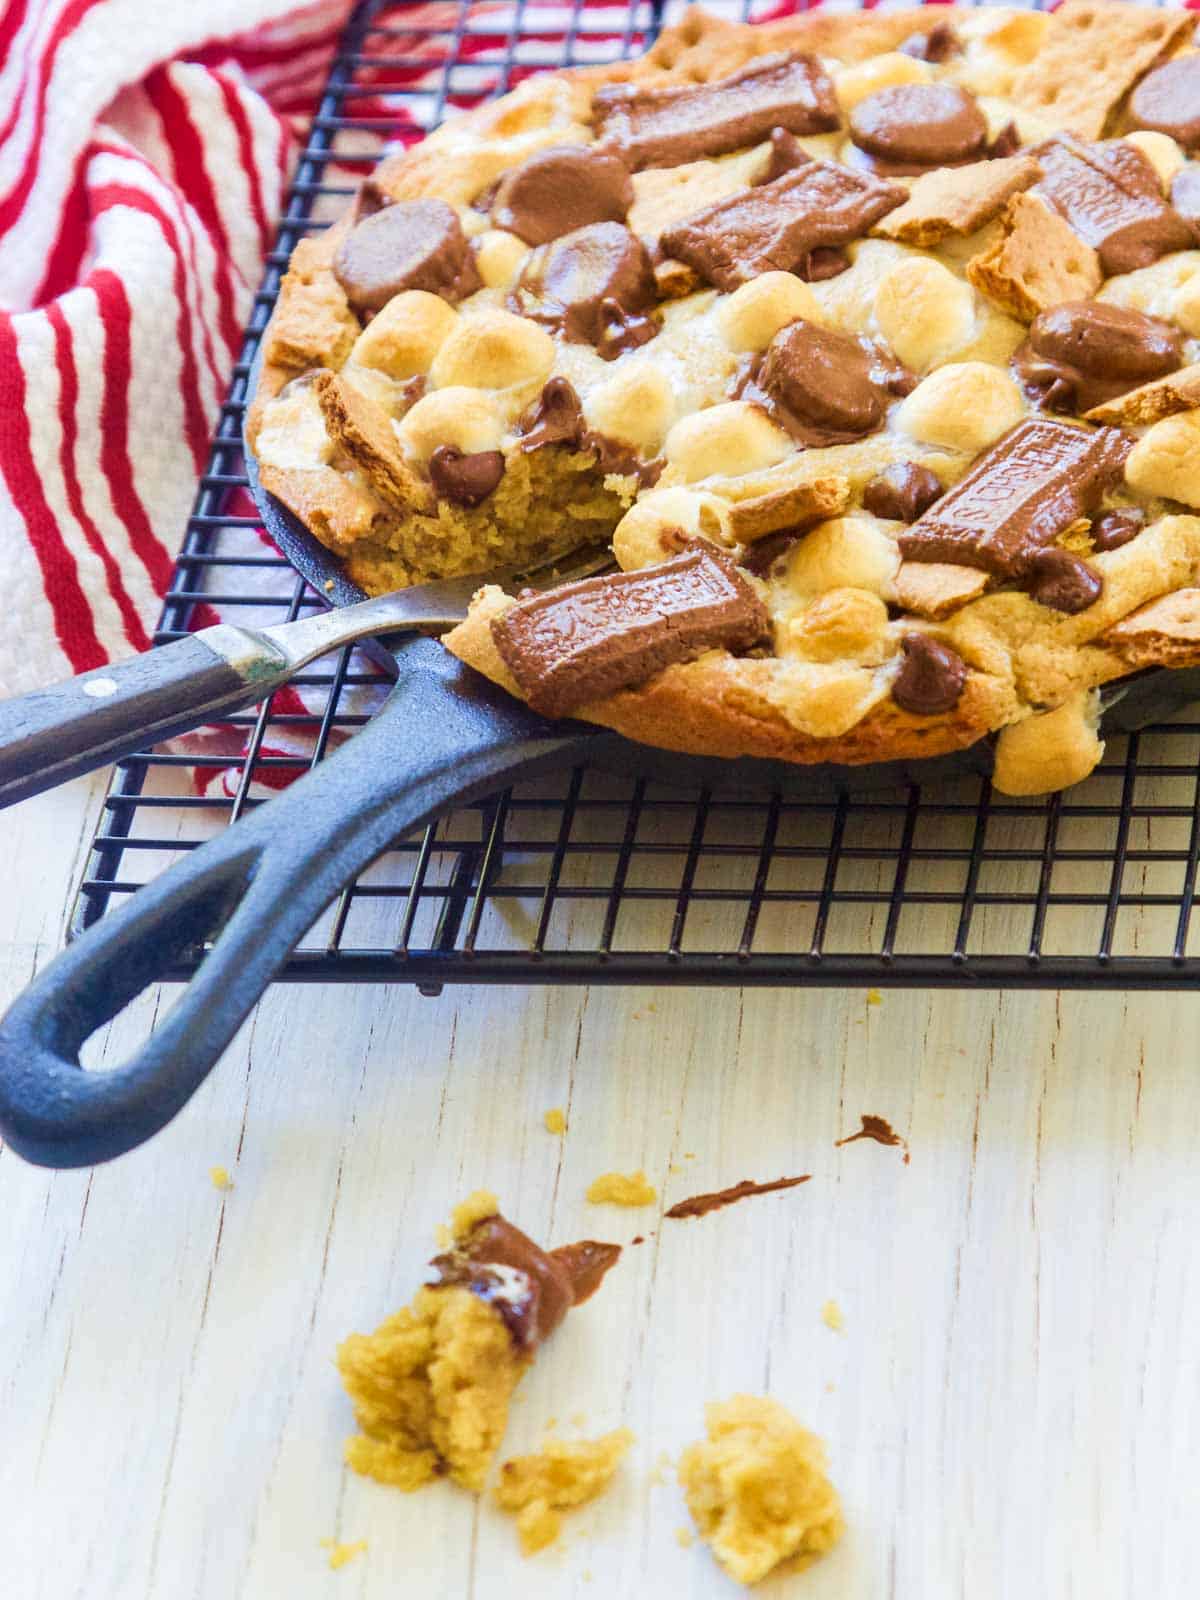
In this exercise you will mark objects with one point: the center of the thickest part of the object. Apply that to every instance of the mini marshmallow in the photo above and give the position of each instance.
(854, 552)
(752, 315)
(658, 524)
(634, 405)
(879, 72)
(966, 406)
(404, 337)
(842, 625)
(1161, 151)
(494, 349)
(1049, 751)
(1166, 459)
(468, 419)
(499, 256)
(924, 312)
(292, 433)
(728, 439)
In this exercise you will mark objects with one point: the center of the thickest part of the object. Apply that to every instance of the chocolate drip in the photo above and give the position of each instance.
(467, 480)
(532, 1289)
(557, 418)
(779, 225)
(699, 1205)
(931, 677)
(577, 644)
(651, 127)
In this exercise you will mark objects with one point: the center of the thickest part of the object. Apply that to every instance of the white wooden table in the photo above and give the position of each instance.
(1012, 1409)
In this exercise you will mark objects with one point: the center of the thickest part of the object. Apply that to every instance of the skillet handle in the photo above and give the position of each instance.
(443, 737)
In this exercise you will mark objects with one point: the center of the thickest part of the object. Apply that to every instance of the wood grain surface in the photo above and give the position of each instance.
(1012, 1409)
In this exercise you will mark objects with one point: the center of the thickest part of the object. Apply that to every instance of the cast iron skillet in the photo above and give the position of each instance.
(444, 737)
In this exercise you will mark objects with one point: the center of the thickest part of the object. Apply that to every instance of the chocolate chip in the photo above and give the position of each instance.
(1084, 353)
(762, 555)
(561, 189)
(594, 285)
(931, 677)
(410, 244)
(467, 480)
(938, 45)
(902, 492)
(1168, 101)
(787, 154)
(1116, 528)
(929, 124)
(1063, 582)
(556, 418)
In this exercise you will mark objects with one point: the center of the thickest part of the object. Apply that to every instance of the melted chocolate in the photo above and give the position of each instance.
(1063, 581)
(877, 1128)
(1109, 194)
(1116, 528)
(1083, 353)
(531, 1288)
(1033, 483)
(561, 189)
(1006, 143)
(557, 418)
(902, 492)
(780, 225)
(699, 1205)
(925, 124)
(650, 127)
(410, 244)
(466, 480)
(370, 199)
(762, 555)
(931, 677)
(586, 640)
(824, 387)
(594, 286)
(1168, 101)
(936, 46)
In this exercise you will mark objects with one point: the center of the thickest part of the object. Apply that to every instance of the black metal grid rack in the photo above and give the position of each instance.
(598, 879)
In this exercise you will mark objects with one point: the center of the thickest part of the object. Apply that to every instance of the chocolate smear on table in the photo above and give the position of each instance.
(465, 479)
(557, 418)
(920, 124)
(936, 46)
(410, 244)
(787, 155)
(653, 127)
(595, 286)
(1168, 101)
(587, 640)
(1063, 581)
(902, 492)
(931, 677)
(878, 1129)
(699, 1205)
(1084, 352)
(1185, 192)
(1115, 528)
(560, 189)
(824, 387)
(531, 1288)
(1110, 195)
(1035, 482)
(778, 226)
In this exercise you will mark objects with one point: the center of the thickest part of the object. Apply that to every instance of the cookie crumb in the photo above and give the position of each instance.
(554, 1120)
(752, 1443)
(684, 1538)
(831, 1316)
(219, 1178)
(621, 1189)
(874, 998)
(539, 1488)
(341, 1555)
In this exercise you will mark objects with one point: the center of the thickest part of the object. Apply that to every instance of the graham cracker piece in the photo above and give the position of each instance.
(1161, 397)
(1093, 53)
(325, 500)
(1038, 262)
(958, 199)
(779, 497)
(363, 431)
(935, 589)
(312, 325)
(1165, 633)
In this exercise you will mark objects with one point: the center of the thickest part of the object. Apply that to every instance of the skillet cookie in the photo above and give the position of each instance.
(871, 341)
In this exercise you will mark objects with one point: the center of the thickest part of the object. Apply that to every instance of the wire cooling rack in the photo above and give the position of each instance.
(594, 878)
